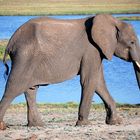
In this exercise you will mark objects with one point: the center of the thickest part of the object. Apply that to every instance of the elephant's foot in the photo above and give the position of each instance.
(82, 122)
(2, 125)
(114, 120)
(35, 123)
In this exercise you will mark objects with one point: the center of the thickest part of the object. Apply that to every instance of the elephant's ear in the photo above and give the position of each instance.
(104, 34)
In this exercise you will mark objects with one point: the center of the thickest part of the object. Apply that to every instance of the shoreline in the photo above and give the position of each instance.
(72, 14)
(59, 124)
(75, 105)
(127, 18)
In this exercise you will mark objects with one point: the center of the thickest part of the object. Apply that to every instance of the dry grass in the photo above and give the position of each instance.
(70, 105)
(49, 7)
(3, 44)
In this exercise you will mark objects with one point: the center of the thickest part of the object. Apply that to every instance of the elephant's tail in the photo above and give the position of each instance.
(6, 65)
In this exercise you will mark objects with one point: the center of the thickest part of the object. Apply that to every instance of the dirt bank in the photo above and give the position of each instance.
(60, 125)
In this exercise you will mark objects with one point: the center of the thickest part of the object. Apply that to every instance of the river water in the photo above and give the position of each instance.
(119, 75)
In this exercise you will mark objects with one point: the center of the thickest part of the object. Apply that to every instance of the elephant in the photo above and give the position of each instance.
(44, 51)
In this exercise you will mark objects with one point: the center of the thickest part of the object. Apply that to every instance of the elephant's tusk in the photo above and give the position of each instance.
(137, 63)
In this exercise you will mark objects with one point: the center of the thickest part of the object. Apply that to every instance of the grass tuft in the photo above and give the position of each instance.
(3, 44)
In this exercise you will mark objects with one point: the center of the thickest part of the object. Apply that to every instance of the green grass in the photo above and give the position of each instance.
(75, 105)
(56, 7)
(59, 105)
(1, 52)
(68, 107)
(3, 44)
(129, 18)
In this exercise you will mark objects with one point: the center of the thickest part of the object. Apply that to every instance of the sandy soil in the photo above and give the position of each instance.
(60, 125)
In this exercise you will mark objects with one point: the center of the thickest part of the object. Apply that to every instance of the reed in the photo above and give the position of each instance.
(3, 44)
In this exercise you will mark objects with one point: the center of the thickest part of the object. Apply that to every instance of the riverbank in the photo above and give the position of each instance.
(60, 121)
(61, 7)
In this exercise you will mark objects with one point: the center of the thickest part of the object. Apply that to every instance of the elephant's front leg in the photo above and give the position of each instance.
(110, 105)
(88, 77)
(33, 116)
(85, 104)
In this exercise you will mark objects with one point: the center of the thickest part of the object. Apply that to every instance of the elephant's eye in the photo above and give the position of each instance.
(132, 42)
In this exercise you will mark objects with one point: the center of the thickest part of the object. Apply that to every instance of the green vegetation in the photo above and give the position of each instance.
(56, 7)
(75, 105)
(46, 108)
(1, 52)
(3, 44)
(129, 18)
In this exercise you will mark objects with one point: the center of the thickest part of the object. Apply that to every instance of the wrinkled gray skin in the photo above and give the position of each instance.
(44, 51)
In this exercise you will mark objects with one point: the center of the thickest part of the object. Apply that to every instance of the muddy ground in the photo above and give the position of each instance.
(60, 124)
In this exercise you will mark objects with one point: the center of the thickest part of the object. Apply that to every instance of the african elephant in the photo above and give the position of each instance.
(44, 51)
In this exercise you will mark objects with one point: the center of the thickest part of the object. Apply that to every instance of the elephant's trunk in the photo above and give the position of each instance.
(137, 71)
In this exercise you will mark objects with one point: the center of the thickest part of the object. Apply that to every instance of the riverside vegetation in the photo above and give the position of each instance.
(57, 7)
(3, 44)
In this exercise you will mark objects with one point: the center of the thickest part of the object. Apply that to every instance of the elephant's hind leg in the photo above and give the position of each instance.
(11, 91)
(33, 116)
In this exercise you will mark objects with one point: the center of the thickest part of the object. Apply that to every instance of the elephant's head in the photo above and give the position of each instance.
(114, 37)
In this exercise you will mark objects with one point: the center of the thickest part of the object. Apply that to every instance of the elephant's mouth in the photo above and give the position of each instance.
(136, 65)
